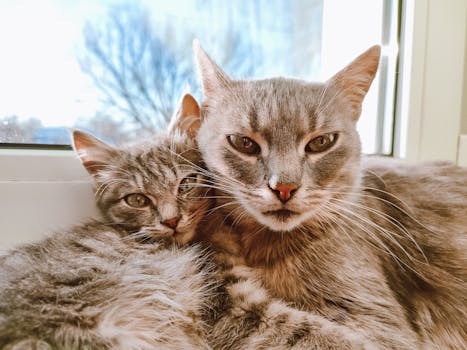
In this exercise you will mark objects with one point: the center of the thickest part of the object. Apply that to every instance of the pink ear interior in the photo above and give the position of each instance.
(93, 153)
(355, 79)
(187, 120)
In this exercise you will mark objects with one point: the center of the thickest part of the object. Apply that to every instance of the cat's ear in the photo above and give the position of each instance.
(212, 77)
(187, 119)
(93, 153)
(354, 80)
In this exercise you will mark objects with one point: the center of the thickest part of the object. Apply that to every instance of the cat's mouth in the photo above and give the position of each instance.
(281, 214)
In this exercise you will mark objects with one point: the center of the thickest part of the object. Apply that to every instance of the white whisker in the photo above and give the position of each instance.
(389, 219)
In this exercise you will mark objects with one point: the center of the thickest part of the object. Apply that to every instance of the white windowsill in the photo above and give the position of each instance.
(41, 191)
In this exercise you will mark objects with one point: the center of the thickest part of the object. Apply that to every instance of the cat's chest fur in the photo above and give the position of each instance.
(300, 279)
(333, 276)
(319, 274)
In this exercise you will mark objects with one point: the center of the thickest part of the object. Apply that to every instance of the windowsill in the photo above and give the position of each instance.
(41, 191)
(40, 165)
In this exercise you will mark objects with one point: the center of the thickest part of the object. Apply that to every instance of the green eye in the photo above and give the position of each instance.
(188, 183)
(137, 200)
(244, 144)
(321, 143)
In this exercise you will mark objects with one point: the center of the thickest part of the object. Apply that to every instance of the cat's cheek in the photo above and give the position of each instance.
(331, 166)
(123, 214)
(245, 169)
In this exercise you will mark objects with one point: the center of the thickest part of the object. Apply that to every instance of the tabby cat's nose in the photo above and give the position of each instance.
(284, 191)
(172, 222)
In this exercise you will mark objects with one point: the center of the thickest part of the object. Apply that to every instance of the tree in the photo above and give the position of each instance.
(138, 75)
(107, 128)
(14, 130)
(139, 69)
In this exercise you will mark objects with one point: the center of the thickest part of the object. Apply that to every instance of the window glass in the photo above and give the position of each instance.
(117, 68)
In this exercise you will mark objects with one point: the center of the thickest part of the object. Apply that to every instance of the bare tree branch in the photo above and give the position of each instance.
(133, 65)
(129, 64)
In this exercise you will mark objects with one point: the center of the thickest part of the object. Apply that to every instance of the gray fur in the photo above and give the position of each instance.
(91, 288)
(376, 246)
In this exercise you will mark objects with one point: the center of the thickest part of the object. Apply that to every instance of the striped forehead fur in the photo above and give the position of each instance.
(152, 160)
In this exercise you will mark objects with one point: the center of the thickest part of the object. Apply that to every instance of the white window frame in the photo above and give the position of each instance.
(45, 190)
(431, 107)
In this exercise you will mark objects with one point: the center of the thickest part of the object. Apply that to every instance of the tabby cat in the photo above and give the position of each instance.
(375, 245)
(125, 283)
(120, 283)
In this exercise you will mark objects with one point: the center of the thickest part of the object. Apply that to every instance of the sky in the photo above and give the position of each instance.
(39, 74)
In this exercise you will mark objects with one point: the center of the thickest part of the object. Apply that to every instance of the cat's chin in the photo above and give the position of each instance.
(183, 236)
(282, 220)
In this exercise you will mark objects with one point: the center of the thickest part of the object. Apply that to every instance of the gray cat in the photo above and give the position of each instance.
(126, 282)
(375, 245)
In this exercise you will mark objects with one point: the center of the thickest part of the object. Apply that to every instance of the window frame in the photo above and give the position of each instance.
(431, 81)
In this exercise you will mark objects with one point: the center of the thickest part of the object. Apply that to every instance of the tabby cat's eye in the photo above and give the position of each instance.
(321, 143)
(188, 183)
(137, 200)
(244, 144)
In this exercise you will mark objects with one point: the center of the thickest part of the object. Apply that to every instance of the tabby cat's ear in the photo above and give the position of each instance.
(187, 119)
(212, 77)
(354, 80)
(93, 153)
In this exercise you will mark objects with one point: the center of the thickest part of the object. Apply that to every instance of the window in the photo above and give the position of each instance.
(118, 69)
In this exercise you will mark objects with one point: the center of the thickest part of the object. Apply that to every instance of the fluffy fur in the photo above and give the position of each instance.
(92, 288)
(376, 246)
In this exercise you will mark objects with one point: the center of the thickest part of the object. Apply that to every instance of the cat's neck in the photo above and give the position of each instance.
(263, 247)
(287, 262)
(258, 245)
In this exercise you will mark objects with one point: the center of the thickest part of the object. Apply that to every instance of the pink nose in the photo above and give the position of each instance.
(284, 191)
(172, 222)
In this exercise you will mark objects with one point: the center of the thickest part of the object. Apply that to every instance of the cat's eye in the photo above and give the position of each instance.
(188, 183)
(244, 144)
(321, 143)
(137, 200)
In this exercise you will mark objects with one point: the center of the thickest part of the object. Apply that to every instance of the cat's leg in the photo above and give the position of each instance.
(277, 326)
(248, 318)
